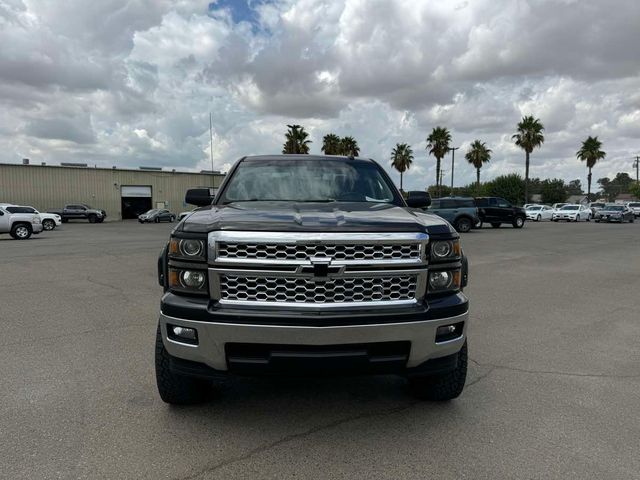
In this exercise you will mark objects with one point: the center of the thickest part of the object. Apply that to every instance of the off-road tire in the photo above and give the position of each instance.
(48, 224)
(92, 219)
(177, 389)
(21, 231)
(463, 224)
(496, 224)
(443, 387)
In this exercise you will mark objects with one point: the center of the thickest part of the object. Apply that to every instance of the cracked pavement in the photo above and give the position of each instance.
(553, 389)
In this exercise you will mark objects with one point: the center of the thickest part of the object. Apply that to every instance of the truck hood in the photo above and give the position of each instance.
(313, 217)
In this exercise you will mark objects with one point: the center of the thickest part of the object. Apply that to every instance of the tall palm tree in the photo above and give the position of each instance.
(296, 140)
(477, 156)
(331, 144)
(401, 159)
(590, 152)
(349, 147)
(438, 146)
(528, 137)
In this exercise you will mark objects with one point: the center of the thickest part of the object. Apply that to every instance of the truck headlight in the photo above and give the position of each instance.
(188, 281)
(187, 248)
(442, 250)
(444, 280)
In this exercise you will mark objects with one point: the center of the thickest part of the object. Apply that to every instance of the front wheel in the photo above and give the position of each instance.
(518, 222)
(445, 386)
(157, 220)
(93, 219)
(463, 225)
(578, 218)
(176, 389)
(538, 218)
(48, 224)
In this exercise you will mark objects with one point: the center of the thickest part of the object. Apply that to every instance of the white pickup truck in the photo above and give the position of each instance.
(19, 225)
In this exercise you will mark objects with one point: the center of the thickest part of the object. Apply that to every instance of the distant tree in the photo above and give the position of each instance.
(438, 191)
(438, 145)
(331, 144)
(510, 187)
(349, 147)
(590, 152)
(621, 183)
(535, 186)
(401, 159)
(574, 187)
(477, 156)
(528, 136)
(296, 140)
(553, 191)
(634, 189)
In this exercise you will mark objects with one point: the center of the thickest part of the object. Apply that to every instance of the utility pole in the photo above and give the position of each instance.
(453, 157)
(637, 165)
(213, 180)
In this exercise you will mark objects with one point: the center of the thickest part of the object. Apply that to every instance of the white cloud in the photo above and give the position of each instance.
(132, 82)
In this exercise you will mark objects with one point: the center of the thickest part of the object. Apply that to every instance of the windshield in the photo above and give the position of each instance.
(597, 205)
(634, 205)
(151, 212)
(301, 180)
(615, 208)
(534, 208)
(570, 207)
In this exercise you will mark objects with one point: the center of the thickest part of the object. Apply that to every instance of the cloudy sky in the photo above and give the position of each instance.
(132, 82)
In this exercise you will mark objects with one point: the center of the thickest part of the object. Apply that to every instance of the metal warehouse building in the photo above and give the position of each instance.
(123, 193)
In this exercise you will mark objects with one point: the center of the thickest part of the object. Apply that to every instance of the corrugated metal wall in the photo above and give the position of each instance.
(45, 187)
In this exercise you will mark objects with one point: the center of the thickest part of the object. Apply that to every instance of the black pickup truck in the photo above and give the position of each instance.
(306, 265)
(80, 211)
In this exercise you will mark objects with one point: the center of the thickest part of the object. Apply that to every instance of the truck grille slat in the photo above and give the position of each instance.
(308, 290)
(293, 251)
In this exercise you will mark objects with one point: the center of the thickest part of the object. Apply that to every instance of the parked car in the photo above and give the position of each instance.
(181, 215)
(333, 272)
(461, 212)
(635, 208)
(558, 206)
(496, 211)
(539, 212)
(615, 212)
(18, 224)
(80, 211)
(595, 208)
(49, 220)
(572, 213)
(156, 215)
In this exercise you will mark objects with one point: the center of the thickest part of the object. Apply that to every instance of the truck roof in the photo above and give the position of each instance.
(299, 156)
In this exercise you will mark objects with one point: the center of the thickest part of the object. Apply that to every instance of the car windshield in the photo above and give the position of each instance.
(634, 205)
(597, 205)
(570, 207)
(534, 208)
(615, 208)
(301, 180)
(151, 212)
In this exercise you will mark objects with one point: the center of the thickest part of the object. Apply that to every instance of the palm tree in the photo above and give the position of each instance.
(401, 159)
(296, 140)
(438, 146)
(590, 152)
(528, 137)
(331, 144)
(349, 147)
(477, 156)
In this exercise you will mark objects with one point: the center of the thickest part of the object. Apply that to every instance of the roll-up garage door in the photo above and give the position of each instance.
(136, 199)
(135, 191)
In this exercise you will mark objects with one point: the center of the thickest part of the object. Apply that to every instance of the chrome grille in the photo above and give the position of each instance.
(296, 251)
(308, 290)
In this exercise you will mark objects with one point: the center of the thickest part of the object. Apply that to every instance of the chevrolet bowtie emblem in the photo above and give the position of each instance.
(320, 268)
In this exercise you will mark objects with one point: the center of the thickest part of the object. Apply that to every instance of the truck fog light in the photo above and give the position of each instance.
(449, 332)
(182, 334)
(192, 279)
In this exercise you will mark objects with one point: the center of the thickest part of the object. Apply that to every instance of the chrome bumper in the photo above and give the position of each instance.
(212, 338)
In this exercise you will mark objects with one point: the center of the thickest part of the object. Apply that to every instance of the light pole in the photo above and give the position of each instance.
(453, 157)
(637, 165)
(213, 180)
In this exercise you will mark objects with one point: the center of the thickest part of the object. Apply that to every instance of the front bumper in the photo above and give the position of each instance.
(417, 329)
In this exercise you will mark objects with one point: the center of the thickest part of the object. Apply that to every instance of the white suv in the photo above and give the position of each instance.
(20, 225)
(635, 208)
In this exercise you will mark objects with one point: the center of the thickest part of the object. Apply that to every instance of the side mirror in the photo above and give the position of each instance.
(418, 199)
(200, 196)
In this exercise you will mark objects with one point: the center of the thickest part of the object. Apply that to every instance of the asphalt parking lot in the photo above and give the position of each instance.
(553, 389)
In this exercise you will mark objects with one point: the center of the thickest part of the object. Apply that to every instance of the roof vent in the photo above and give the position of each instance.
(155, 169)
(72, 164)
(25, 161)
